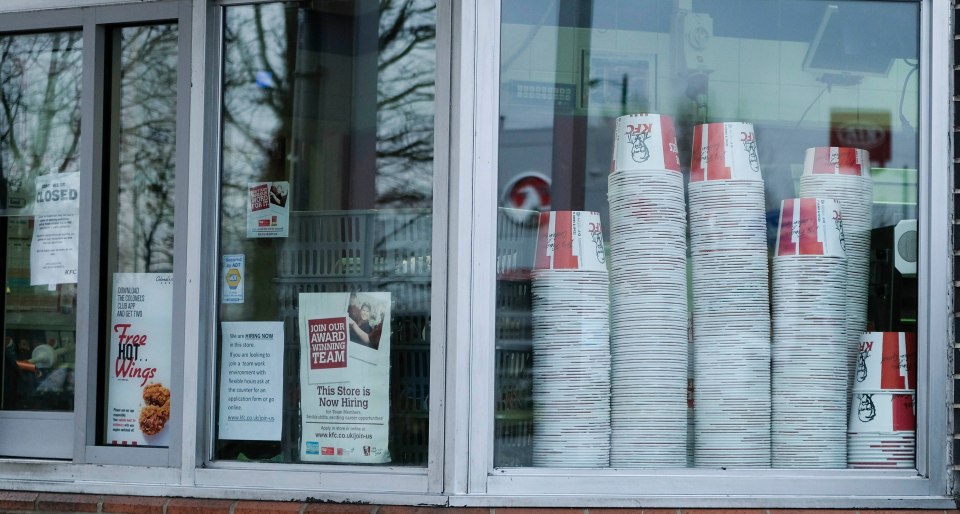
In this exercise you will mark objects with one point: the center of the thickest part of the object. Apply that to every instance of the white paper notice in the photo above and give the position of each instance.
(231, 279)
(251, 381)
(138, 400)
(345, 377)
(268, 213)
(57, 193)
(54, 249)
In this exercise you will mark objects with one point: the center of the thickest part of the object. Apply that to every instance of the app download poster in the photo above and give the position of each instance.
(345, 377)
(138, 399)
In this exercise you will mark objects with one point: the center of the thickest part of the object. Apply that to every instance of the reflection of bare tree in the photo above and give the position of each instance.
(260, 104)
(405, 94)
(146, 149)
(39, 109)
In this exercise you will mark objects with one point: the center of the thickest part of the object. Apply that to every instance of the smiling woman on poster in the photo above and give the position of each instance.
(362, 331)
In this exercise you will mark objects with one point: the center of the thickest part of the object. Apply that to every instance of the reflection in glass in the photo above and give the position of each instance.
(804, 73)
(331, 104)
(39, 136)
(139, 222)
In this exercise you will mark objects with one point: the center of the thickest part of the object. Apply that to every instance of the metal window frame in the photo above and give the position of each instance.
(460, 469)
(336, 482)
(486, 485)
(157, 465)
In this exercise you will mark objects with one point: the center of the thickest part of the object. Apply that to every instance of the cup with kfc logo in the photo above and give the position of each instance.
(725, 151)
(645, 142)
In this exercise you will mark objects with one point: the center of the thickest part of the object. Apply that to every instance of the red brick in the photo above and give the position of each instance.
(812, 511)
(903, 511)
(632, 511)
(17, 500)
(133, 504)
(899, 511)
(537, 511)
(264, 507)
(400, 509)
(338, 508)
(198, 506)
(726, 511)
(57, 502)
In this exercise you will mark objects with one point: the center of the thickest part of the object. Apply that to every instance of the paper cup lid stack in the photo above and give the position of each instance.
(810, 370)
(883, 419)
(571, 348)
(731, 310)
(844, 175)
(649, 354)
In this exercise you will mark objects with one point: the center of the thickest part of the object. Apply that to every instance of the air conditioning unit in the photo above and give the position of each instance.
(905, 247)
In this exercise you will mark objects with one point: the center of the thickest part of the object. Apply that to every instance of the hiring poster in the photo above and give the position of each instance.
(268, 214)
(54, 247)
(251, 380)
(138, 399)
(345, 377)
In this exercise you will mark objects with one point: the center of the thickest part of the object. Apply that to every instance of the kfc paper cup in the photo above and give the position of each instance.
(887, 361)
(724, 151)
(810, 226)
(570, 240)
(882, 412)
(645, 142)
(834, 160)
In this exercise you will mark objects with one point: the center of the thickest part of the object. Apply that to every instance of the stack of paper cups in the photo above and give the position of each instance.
(731, 310)
(844, 175)
(571, 343)
(883, 421)
(649, 295)
(809, 362)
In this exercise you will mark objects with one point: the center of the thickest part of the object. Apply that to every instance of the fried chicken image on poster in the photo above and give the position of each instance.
(156, 409)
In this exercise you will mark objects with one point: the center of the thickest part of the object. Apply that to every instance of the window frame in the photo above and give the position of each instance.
(95, 22)
(338, 481)
(927, 488)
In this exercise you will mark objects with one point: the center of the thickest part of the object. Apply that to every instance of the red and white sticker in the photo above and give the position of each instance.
(882, 412)
(570, 240)
(645, 142)
(810, 226)
(837, 160)
(724, 151)
(886, 361)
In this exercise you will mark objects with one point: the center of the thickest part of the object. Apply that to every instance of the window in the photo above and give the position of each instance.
(326, 223)
(657, 302)
(39, 227)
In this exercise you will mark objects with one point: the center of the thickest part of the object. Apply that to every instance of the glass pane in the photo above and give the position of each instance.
(325, 232)
(140, 227)
(662, 298)
(39, 217)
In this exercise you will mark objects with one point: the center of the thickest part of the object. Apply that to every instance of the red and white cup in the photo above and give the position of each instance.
(570, 240)
(810, 226)
(645, 142)
(882, 412)
(837, 160)
(724, 151)
(887, 361)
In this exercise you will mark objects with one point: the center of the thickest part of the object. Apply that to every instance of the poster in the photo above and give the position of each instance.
(251, 385)
(57, 193)
(231, 279)
(138, 399)
(54, 248)
(268, 214)
(345, 377)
